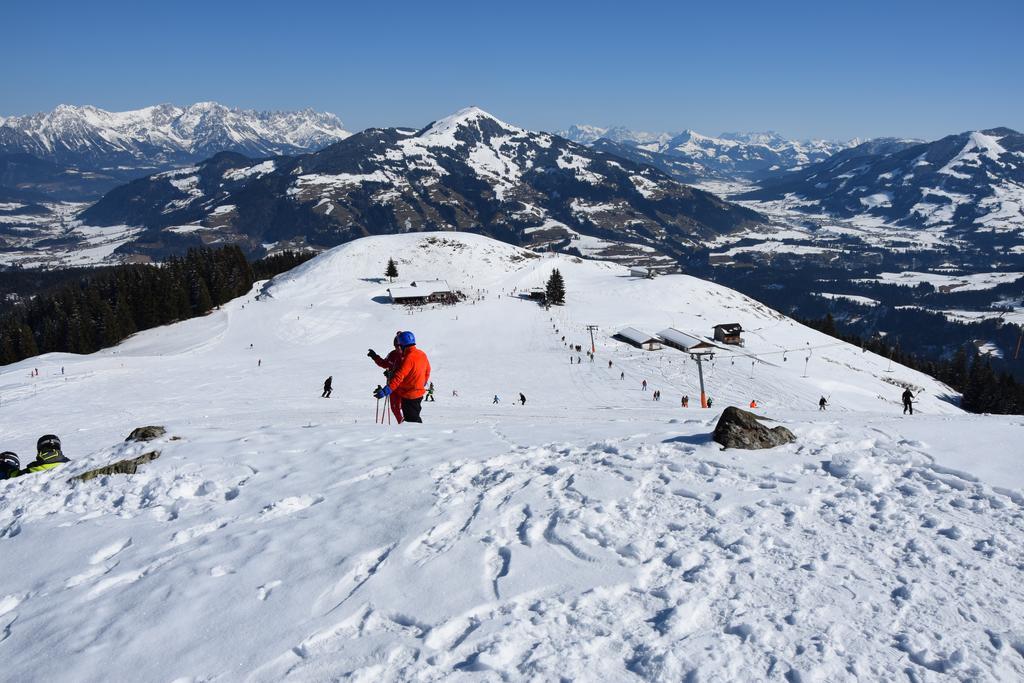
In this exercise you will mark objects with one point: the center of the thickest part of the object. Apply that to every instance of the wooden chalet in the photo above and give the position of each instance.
(423, 292)
(729, 333)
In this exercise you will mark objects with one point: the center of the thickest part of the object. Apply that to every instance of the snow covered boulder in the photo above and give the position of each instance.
(743, 429)
(146, 433)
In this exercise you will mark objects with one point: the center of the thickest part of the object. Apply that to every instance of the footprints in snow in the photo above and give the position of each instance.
(288, 506)
(361, 570)
(106, 553)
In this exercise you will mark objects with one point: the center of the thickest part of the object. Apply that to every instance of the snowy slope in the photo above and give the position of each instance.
(590, 534)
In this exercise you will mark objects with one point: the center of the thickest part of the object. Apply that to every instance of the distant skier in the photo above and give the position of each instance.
(685, 400)
(455, 394)
(430, 393)
(571, 360)
(327, 387)
(522, 398)
(753, 403)
(410, 379)
(709, 401)
(390, 364)
(622, 375)
(259, 362)
(822, 403)
(644, 385)
(10, 466)
(496, 400)
(609, 364)
(578, 361)
(908, 401)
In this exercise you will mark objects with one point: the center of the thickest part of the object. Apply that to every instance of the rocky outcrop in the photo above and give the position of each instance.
(743, 429)
(129, 466)
(146, 433)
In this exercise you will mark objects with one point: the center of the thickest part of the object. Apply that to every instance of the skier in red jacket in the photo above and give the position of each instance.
(410, 380)
(391, 363)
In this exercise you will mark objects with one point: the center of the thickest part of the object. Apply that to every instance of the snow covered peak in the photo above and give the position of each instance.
(586, 134)
(165, 134)
(690, 155)
(471, 122)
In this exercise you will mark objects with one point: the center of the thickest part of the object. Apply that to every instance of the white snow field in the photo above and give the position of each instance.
(592, 534)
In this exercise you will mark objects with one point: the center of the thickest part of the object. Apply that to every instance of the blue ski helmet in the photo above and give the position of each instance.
(406, 339)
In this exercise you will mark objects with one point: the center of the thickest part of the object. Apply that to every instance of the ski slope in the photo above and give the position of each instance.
(592, 534)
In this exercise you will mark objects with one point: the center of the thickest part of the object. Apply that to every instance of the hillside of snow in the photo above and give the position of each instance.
(591, 534)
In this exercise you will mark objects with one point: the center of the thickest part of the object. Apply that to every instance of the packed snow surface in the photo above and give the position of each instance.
(591, 534)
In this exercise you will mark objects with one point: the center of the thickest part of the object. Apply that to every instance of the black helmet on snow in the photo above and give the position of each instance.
(9, 460)
(48, 442)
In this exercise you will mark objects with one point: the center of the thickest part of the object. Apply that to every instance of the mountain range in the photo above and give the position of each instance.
(692, 157)
(160, 137)
(971, 182)
(467, 172)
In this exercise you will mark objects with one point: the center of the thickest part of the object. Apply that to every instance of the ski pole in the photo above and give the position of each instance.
(375, 411)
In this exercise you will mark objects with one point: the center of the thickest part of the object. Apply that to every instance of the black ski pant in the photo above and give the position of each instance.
(908, 407)
(411, 409)
(326, 394)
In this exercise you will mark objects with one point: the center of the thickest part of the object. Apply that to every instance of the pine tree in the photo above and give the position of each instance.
(828, 325)
(555, 289)
(392, 270)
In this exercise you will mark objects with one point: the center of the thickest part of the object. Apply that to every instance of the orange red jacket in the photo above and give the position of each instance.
(410, 380)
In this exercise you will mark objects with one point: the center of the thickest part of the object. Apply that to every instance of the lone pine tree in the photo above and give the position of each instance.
(392, 270)
(555, 289)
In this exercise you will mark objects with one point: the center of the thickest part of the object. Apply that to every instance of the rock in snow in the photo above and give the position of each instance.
(739, 428)
(146, 433)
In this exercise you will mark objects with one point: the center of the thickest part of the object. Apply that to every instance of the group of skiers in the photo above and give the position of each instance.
(907, 398)
(48, 456)
(407, 370)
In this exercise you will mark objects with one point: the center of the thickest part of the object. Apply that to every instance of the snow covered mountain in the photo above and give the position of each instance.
(590, 534)
(163, 136)
(586, 134)
(690, 156)
(467, 172)
(970, 182)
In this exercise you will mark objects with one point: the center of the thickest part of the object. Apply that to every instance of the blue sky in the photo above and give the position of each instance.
(821, 69)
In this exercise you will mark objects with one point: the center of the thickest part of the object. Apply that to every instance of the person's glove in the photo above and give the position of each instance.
(382, 392)
(371, 354)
